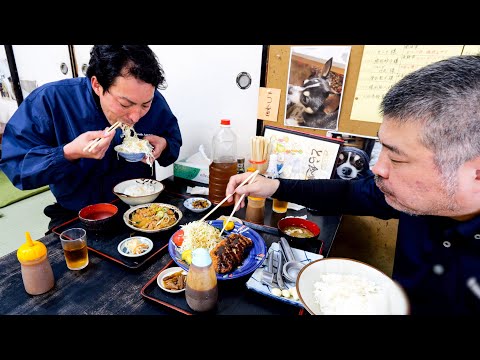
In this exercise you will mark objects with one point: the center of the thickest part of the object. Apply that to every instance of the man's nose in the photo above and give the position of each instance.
(135, 115)
(381, 166)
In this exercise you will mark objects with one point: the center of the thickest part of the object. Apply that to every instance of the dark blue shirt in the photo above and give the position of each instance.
(437, 259)
(55, 114)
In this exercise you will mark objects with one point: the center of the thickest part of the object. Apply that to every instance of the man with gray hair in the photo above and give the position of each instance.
(427, 176)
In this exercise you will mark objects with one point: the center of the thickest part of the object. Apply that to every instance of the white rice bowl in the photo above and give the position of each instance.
(339, 286)
(138, 191)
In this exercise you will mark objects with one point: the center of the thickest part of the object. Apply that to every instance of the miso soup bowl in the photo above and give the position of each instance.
(298, 237)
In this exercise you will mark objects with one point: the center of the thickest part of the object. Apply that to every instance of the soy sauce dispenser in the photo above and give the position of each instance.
(37, 274)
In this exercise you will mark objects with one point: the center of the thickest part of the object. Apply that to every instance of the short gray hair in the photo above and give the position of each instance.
(445, 98)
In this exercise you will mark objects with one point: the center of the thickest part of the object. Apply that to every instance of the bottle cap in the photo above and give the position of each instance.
(225, 122)
(201, 257)
(257, 199)
(31, 250)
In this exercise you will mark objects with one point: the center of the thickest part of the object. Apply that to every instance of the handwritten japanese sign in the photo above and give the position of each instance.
(268, 102)
(382, 66)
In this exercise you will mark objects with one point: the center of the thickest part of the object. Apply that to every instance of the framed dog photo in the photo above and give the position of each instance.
(358, 155)
(301, 155)
(315, 86)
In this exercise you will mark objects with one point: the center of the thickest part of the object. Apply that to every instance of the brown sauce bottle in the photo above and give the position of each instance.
(201, 291)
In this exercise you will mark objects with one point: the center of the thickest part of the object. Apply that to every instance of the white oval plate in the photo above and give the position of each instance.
(167, 272)
(122, 247)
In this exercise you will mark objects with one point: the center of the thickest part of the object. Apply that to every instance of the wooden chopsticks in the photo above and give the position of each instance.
(235, 208)
(93, 144)
(228, 196)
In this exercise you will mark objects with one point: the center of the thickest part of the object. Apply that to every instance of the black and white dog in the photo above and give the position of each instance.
(352, 164)
(318, 108)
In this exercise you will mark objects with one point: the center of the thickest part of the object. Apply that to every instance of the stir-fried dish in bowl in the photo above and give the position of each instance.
(152, 217)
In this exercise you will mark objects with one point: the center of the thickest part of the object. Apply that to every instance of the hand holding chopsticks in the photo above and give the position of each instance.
(93, 144)
(235, 208)
(252, 176)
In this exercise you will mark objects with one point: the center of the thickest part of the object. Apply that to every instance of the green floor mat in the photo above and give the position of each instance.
(10, 194)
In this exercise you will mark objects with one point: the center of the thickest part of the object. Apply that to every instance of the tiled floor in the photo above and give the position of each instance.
(22, 216)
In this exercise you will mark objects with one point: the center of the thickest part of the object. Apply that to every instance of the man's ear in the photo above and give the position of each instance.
(97, 88)
(476, 183)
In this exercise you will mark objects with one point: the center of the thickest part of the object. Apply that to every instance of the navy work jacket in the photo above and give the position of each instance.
(55, 114)
(437, 259)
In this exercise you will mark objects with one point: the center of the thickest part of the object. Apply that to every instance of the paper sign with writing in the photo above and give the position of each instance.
(382, 66)
(268, 102)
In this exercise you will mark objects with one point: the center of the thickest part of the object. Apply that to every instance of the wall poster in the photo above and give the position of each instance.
(301, 155)
(315, 86)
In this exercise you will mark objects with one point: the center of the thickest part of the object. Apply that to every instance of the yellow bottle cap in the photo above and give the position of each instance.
(31, 250)
(253, 198)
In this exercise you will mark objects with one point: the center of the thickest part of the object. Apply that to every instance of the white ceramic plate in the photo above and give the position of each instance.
(128, 213)
(233, 218)
(167, 272)
(123, 248)
(189, 204)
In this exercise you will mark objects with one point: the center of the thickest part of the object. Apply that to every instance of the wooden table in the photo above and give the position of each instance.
(106, 288)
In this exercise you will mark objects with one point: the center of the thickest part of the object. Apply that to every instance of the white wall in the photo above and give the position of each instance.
(202, 90)
(39, 64)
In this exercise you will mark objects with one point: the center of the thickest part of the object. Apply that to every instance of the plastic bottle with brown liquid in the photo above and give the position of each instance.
(224, 163)
(37, 273)
(201, 291)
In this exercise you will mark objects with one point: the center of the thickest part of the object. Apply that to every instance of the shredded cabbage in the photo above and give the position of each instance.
(132, 144)
(199, 234)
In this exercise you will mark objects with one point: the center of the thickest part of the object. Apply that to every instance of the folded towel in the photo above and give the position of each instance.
(197, 190)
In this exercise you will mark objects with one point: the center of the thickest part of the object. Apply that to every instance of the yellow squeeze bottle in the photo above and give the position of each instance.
(37, 274)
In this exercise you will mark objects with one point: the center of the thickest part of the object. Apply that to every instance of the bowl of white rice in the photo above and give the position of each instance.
(340, 286)
(138, 191)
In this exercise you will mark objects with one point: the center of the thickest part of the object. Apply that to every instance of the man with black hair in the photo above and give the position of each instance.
(45, 139)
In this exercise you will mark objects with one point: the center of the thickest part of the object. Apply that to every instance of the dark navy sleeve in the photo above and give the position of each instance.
(337, 197)
(31, 154)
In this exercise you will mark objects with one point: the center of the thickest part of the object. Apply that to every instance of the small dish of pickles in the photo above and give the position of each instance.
(172, 279)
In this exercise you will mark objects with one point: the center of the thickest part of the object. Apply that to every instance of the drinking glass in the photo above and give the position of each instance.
(74, 244)
(279, 206)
